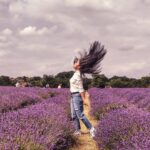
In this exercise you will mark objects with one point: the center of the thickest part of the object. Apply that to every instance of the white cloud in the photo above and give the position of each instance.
(33, 8)
(2, 53)
(54, 31)
(28, 31)
(117, 5)
(132, 66)
(17, 7)
(7, 31)
(32, 30)
(2, 38)
(131, 69)
(42, 31)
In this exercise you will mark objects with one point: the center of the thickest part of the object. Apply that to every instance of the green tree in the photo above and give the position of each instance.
(63, 78)
(145, 81)
(99, 81)
(5, 81)
(49, 79)
(36, 81)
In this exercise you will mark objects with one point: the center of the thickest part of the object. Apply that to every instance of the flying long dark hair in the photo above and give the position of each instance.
(90, 60)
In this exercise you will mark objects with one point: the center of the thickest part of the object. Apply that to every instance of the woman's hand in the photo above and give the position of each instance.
(84, 102)
(83, 98)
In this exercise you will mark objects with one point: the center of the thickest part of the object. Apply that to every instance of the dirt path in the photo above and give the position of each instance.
(85, 142)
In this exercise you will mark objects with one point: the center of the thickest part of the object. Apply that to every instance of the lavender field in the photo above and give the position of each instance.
(124, 118)
(39, 118)
(35, 119)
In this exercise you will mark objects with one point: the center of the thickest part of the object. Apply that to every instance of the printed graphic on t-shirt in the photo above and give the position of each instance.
(77, 83)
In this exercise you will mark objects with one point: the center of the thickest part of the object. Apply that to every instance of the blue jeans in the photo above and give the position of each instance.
(77, 114)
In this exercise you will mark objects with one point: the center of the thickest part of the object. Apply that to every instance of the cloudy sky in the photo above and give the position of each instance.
(42, 36)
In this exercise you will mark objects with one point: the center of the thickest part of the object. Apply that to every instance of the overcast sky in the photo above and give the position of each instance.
(42, 36)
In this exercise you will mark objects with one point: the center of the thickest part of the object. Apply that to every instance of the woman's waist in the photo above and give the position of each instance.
(76, 93)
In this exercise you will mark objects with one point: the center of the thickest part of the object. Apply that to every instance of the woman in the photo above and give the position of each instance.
(89, 62)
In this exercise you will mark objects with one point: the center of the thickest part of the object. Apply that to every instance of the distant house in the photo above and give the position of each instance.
(47, 85)
(108, 86)
(18, 84)
(22, 83)
(59, 86)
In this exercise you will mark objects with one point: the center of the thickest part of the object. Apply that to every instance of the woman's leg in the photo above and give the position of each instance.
(77, 124)
(84, 119)
(78, 107)
(74, 117)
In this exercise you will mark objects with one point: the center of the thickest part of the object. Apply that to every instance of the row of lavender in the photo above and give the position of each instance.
(42, 126)
(124, 116)
(12, 98)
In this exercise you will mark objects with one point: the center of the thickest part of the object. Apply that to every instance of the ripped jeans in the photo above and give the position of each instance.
(77, 114)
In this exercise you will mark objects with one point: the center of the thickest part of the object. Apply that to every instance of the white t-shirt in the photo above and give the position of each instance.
(76, 82)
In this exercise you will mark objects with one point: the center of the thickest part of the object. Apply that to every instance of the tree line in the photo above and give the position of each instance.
(100, 81)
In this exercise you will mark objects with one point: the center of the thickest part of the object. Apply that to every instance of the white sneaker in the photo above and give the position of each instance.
(92, 132)
(77, 133)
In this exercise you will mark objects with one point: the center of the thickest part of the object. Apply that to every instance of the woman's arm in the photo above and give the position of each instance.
(83, 96)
